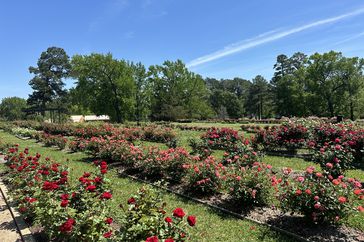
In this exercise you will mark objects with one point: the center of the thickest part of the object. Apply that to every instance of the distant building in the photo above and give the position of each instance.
(89, 118)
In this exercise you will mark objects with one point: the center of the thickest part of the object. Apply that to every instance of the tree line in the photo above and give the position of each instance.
(325, 84)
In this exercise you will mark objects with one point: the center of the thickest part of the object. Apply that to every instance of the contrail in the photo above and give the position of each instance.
(265, 38)
(350, 38)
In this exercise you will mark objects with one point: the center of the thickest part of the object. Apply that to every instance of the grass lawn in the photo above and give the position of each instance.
(211, 225)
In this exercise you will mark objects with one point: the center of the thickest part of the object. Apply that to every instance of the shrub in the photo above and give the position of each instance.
(24, 132)
(165, 163)
(221, 139)
(250, 185)
(290, 136)
(334, 159)
(205, 176)
(66, 213)
(145, 219)
(242, 155)
(319, 198)
(199, 148)
(53, 140)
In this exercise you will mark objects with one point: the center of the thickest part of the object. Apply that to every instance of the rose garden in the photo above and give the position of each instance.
(176, 182)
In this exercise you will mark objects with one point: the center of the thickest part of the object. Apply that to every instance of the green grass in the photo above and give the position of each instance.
(294, 163)
(211, 225)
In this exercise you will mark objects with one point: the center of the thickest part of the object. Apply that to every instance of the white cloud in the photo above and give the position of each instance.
(265, 38)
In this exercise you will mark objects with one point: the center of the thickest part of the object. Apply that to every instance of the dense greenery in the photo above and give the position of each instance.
(11, 108)
(327, 84)
(48, 85)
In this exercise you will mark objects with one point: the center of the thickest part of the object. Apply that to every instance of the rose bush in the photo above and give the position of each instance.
(319, 198)
(251, 185)
(145, 219)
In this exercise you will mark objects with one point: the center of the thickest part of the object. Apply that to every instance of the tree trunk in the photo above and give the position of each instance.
(351, 110)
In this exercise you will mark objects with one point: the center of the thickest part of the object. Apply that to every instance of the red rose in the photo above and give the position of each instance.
(178, 212)
(316, 198)
(91, 188)
(336, 182)
(67, 226)
(342, 199)
(152, 239)
(64, 196)
(106, 195)
(357, 191)
(48, 186)
(169, 240)
(168, 220)
(107, 234)
(317, 205)
(191, 220)
(131, 200)
(64, 203)
(86, 174)
(308, 192)
(298, 192)
(361, 209)
(64, 173)
(108, 220)
(103, 171)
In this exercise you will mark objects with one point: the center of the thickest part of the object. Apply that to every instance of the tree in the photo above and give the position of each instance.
(323, 82)
(351, 72)
(142, 94)
(11, 108)
(226, 104)
(177, 93)
(259, 101)
(288, 85)
(52, 67)
(106, 85)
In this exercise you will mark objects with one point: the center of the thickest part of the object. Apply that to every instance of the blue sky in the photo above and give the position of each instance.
(221, 39)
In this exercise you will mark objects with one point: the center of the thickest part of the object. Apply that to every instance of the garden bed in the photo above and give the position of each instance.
(292, 225)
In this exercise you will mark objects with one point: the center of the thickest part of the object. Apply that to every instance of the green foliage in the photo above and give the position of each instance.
(251, 185)
(145, 217)
(177, 93)
(52, 67)
(318, 198)
(100, 76)
(259, 102)
(11, 108)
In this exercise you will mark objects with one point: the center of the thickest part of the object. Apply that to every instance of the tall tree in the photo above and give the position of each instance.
(11, 108)
(288, 85)
(259, 101)
(106, 85)
(351, 72)
(52, 67)
(142, 94)
(177, 92)
(323, 82)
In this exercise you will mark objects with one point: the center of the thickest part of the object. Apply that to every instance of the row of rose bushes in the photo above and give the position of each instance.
(336, 147)
(239, 174)
(81, 212)
(151, 133)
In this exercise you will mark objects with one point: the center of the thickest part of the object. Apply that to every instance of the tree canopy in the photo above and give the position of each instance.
(52, 67)
(11, 108)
